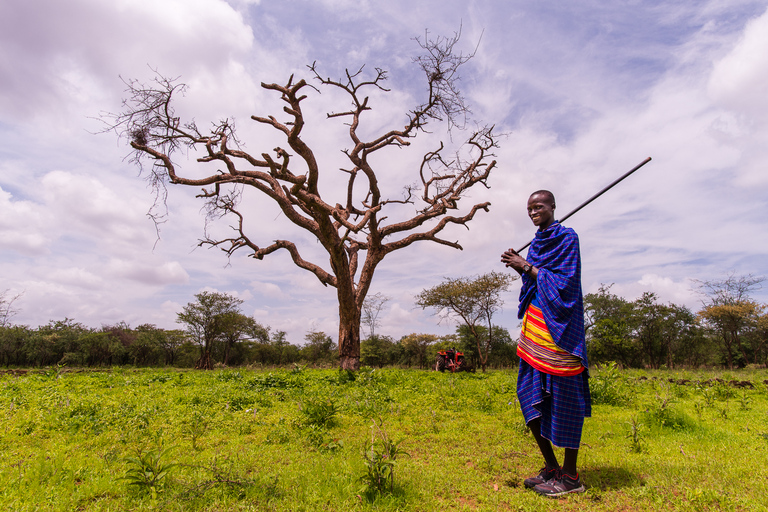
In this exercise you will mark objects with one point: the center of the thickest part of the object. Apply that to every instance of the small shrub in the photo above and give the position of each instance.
(147, 471)
(379, 455)
(699, 408)
(609, 387)
(320, 412)
(321, 439)
(745, 400)
(723, 391)
(709, 396)
(239, 401)
(229, 376)
(662, 413)
(194, 426)
(162, 378)
(279, 433)
(635, 436)
(346, 376)
(272, 381)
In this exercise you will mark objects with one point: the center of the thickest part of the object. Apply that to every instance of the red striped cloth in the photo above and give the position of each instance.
(538, 349)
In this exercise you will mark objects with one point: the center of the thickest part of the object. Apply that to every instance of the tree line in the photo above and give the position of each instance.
(216, 332)
(730, 330)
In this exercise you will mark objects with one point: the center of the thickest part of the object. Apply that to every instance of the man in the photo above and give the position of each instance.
(552, 385)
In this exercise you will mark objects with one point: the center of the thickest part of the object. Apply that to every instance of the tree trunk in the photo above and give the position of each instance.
(728, 347)
(227, 347)
(204, 363)
(350, 299)
(479, 348)
(349, 337)
(741, 347)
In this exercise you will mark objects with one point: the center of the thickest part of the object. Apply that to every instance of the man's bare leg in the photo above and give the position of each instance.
(569, 462)
(544, 445)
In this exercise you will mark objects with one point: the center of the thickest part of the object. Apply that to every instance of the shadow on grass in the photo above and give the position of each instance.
(610, 478)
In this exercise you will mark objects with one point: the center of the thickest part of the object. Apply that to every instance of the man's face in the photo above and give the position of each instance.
(541, 210)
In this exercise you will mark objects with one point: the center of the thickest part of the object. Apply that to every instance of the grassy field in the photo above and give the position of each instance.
(136, 439)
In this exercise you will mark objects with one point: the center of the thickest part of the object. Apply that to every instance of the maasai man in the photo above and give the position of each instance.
(552, 385)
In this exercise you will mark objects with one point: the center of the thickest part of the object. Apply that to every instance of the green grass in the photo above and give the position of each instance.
(127, 439)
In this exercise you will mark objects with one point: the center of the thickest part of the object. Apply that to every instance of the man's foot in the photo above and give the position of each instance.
(545, 475)
(562, 484)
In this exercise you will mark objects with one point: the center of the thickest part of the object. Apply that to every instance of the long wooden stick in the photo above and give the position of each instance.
(606, 189)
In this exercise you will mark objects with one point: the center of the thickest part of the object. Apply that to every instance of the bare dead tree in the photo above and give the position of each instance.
(7, 309)
(356, 235)
(372, 308)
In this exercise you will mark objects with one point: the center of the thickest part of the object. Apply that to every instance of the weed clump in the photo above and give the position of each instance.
(275, 381)
(661, 412)
(635, 436)
(147, 471)
(319, 412)
(380, 455)
(609, 387)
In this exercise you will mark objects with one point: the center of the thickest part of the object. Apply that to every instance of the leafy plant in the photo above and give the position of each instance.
(147, 471)
(379, 455)
(321, 439)
(279, 433)
(699, 408)
(194, 426)
(239, 401)
(609, 387)
(745, 400)
(274, 381)
(320, 412)
(661, 412)
(709, 396)
(723, 391)
(229, 376)
(635, 436)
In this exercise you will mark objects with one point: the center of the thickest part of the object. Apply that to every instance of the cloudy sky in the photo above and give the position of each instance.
(583, 90)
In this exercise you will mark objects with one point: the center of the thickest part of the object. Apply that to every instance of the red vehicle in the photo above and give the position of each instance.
(451, 360)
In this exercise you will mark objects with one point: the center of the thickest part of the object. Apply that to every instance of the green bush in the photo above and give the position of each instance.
(319, 412)
(608, 386)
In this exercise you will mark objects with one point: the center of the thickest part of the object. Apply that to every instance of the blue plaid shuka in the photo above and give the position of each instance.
(562, 402)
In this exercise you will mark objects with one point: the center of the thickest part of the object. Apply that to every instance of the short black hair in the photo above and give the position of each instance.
(546, 193)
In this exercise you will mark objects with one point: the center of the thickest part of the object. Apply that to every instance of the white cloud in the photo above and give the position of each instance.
(149, 273)
(22, 226)
(739, 80)
(77, 277)
(268, 290)
(93, 206)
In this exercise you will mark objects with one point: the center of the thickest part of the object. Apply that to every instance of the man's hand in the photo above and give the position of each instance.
(511, 259)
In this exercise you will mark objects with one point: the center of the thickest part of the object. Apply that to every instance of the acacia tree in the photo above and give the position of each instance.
(207, 321)
(473, 301)
(730, 311)
(234, 327)
(357, 234)
(415, 348)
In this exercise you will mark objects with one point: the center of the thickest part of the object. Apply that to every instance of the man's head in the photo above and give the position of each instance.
(541, 208)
